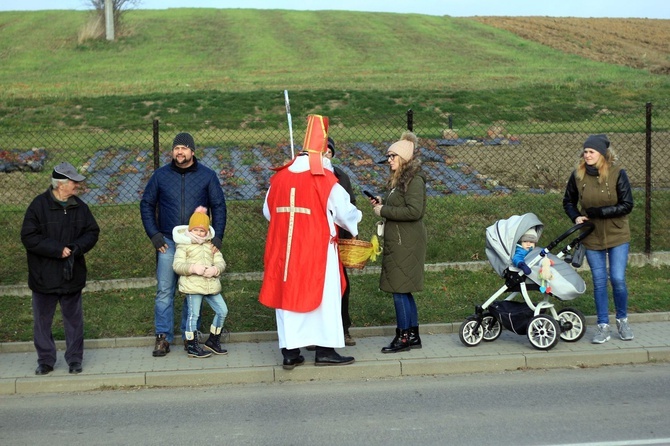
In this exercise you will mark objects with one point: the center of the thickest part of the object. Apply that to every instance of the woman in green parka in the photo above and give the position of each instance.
(404, 251)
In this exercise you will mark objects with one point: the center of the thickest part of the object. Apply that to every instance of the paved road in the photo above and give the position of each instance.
(613, 406)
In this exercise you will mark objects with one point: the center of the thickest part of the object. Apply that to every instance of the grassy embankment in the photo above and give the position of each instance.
(199, 69)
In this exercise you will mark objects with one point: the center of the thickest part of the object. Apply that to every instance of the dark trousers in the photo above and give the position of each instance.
(346, 319)
(44, 308)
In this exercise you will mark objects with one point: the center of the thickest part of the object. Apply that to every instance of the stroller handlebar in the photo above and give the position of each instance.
(586, 228)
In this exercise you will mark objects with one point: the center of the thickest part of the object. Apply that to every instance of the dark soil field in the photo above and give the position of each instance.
(636, 43)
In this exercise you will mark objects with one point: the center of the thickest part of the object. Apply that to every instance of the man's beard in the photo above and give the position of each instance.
(184, 163)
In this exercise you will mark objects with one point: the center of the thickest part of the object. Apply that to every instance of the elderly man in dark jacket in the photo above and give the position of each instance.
(58, 229)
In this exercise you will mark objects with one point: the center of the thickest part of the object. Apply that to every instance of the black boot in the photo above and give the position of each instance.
(414, 338)
(213, 343)
(328, 356)
(399, 344)
(194, 350)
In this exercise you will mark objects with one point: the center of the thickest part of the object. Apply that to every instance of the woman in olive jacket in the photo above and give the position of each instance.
(599, 191)
(404, 251)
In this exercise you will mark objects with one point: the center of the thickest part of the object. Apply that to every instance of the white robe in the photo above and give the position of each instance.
(322, 326)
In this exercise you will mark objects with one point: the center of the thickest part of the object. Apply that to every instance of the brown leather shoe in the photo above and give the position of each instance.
(162, 346)
(348, 340)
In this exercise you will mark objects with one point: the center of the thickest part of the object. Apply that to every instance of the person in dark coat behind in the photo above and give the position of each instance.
(405, 238)
(345, 182)
(58, 229)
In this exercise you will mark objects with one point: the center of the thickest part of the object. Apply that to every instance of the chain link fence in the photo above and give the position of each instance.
(480, 169)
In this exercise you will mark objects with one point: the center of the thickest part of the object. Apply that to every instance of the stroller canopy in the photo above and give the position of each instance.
(502, 236)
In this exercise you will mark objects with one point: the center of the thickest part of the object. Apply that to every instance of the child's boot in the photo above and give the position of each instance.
(213, 343)
(193, 349)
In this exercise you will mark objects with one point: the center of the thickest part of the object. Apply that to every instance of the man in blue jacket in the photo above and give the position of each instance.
(170, 197)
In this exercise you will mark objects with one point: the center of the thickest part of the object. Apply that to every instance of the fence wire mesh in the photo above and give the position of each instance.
(480, 169)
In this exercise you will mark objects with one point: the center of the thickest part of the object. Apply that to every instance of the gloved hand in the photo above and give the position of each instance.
(216, 241)
(68, 268)
(524, 268)
(594, 212)
(197, 269)
(211, 271)
(378, 210)
(158, 241)
(74, 250)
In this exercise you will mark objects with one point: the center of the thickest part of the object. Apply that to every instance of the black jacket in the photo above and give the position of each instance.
(48, 227)
(345, 182)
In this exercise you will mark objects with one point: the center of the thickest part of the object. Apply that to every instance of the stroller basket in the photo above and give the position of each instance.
(514, 316)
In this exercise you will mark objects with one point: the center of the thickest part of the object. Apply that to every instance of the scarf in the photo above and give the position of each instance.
(196, 239)
(592, 170)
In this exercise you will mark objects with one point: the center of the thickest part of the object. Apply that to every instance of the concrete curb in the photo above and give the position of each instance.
(360, 370)
(264, 336)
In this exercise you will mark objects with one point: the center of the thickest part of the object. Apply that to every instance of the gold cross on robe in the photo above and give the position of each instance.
(292, 210)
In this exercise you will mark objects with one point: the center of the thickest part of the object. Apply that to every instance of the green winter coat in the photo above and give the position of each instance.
(405, 237)
(612, 201)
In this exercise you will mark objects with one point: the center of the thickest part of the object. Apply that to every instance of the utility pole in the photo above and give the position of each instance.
(109, 20)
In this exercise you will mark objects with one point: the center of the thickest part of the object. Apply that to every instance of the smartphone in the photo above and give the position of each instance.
(369, 194)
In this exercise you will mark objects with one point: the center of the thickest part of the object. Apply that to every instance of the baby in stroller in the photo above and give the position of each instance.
(526, 244)
(511, 250)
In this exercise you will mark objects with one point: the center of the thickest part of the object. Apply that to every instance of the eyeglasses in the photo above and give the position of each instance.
(391, 156)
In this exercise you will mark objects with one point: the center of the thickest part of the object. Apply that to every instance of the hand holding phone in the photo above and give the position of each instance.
(370, 195)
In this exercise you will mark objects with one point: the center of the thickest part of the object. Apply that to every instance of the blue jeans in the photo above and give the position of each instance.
(405, 310)
(166, 287)
(194, 302)
(618, 260)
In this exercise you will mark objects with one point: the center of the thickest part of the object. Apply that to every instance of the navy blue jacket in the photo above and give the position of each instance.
(172, 194)
(47, 228)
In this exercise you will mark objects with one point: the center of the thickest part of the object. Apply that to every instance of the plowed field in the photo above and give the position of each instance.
(636, 43)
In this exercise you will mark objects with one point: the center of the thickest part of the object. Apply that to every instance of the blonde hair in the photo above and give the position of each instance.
(603, 165)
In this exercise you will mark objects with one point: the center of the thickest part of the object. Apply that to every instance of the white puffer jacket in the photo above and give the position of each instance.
(188, 254)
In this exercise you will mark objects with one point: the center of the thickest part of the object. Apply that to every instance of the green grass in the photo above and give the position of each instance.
(209, 69)
(456, 228)
(448, 296)
(218, 68)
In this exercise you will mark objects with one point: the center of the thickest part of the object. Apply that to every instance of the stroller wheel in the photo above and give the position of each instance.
(471, 332)
(543, 332)
(492, 327)
(572, 323)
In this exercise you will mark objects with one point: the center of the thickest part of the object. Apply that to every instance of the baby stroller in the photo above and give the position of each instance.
(540, 322)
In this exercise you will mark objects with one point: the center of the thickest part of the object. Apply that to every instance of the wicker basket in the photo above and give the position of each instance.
(355, 253)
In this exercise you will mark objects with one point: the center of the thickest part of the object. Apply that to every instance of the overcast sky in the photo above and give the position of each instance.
(653, 9)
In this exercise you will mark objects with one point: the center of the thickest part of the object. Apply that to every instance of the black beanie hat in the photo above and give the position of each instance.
(331, 145)
(599, 143)
(184, 139)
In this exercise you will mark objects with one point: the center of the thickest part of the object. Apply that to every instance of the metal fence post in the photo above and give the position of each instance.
(647, 183)
(157, 145)
(410, 120)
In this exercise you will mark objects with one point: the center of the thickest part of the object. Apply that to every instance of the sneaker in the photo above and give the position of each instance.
(602, 334)
(625, 332)
(348, 340)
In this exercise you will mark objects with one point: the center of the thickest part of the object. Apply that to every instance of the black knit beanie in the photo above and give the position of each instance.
(184, 139)
(599, 143)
